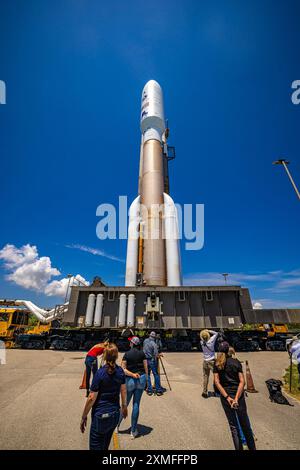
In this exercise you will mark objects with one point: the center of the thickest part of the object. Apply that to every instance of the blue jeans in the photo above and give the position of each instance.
(152, 366)
(135, 388)
(102, 429)
(91, 365)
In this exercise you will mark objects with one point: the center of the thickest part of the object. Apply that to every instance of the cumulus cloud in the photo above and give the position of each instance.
(13, 256)
(257, 306)
(59, 287)
(28, 270)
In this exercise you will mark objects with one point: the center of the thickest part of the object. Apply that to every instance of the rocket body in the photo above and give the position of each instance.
(148, 245)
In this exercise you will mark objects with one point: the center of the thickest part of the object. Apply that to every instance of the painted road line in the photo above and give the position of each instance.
(116, 443)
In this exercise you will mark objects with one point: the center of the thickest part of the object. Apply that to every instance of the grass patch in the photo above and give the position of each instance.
(295, 381)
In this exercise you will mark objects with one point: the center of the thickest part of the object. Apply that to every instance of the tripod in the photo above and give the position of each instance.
(165, 373)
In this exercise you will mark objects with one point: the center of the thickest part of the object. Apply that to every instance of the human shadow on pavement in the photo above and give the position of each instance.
(142, 429)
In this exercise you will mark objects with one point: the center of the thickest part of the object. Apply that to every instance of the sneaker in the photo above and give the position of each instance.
(134, 434)
(149, 393)
(205, 395)
(159, 394)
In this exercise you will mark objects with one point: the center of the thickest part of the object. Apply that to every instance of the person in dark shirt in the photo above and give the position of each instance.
(135, 367)
(104, 400)
(229, 379)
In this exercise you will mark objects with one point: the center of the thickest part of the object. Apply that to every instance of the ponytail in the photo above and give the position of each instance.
(221, 360)
(110, 357)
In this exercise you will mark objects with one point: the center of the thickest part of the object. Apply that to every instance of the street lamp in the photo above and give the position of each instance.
(225, 275)
(285, 163)
(69, 276)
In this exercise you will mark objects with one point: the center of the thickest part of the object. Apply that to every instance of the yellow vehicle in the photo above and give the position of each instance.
(14, 321)
(272, 329)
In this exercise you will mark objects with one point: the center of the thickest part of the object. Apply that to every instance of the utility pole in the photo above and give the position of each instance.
(284, 163)
(225, 275)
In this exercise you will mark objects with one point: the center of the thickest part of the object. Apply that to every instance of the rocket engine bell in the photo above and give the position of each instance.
(153, 257)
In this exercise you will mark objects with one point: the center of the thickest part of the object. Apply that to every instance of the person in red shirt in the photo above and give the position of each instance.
(91, 363)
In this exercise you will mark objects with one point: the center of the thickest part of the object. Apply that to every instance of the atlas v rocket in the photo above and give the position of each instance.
(153, 255)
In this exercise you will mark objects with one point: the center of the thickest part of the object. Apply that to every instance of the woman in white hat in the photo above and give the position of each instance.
(207, 341)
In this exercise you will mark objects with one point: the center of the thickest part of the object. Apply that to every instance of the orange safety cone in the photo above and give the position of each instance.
(83, 383)
(249, 380)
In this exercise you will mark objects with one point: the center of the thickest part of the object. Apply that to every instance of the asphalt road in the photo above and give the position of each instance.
(41, 405)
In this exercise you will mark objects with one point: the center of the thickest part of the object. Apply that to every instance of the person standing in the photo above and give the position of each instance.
(294, 350)
(104, 400)
(207, 340)
(152, 356)
(91, 362)
(135, 367)
(230, 381)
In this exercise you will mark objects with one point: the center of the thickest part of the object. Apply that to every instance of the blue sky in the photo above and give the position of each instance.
(74, 72)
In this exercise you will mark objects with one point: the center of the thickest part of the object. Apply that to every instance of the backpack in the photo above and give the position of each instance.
(275, 393)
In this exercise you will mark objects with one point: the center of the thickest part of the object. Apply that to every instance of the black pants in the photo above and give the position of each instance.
(231, 415)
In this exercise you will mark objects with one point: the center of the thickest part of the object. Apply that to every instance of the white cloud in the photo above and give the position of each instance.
(277, 303)
(275, 281)
(257, 306)
(59, 287)
(95, 251)
(13, 256)
(26, 269)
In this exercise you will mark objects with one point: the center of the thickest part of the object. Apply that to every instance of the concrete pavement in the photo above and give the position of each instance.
(41, 405)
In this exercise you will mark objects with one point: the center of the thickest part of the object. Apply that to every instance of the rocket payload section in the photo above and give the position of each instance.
(153, 256)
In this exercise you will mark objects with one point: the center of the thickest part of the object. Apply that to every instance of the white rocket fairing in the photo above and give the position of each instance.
(153, 256)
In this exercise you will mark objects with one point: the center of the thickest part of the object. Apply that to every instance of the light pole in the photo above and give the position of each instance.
(69, 276)
(225, 275)
(284, 163)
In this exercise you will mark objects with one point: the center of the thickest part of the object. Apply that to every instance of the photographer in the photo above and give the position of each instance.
(229, 379)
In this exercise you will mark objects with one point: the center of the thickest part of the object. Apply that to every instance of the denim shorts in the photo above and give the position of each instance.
(136, 384)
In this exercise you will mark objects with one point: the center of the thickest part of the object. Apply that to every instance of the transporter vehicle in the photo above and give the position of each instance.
(96, 312)
(276, 336)
(15, 321)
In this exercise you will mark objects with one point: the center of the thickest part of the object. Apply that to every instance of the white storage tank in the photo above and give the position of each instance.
(90, 310)
(98, 310)
(122, 311)
(130, 310)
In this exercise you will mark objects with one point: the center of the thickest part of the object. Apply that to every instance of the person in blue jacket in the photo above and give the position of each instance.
(104, 401)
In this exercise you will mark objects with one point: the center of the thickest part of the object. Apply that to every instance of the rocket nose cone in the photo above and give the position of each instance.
(152, 84)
